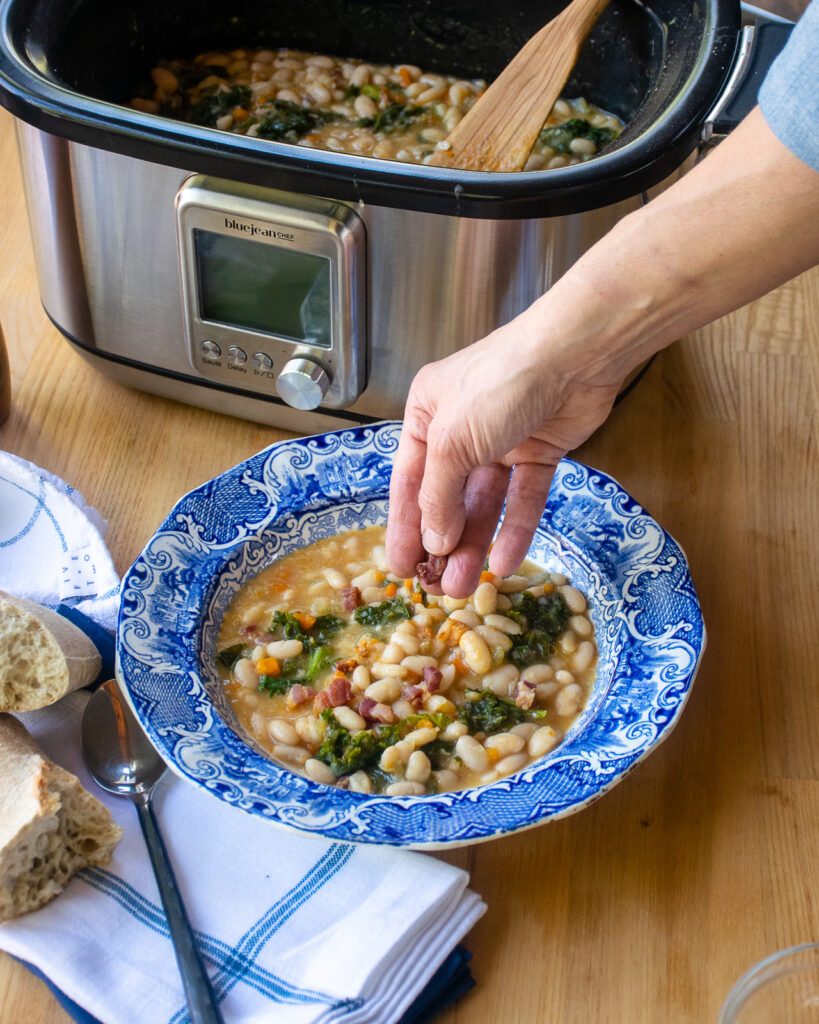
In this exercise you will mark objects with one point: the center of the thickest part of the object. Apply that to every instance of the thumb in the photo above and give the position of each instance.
(441, 498)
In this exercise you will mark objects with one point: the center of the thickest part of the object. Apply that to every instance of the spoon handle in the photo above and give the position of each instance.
(199, 994)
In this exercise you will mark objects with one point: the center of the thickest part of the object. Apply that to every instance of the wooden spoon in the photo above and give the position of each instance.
(498, 133)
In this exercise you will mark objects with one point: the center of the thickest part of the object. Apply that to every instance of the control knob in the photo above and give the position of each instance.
(302, 384)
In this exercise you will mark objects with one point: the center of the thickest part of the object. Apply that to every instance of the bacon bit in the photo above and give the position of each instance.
(372, 711)
(487, 576)
(268, 667)
(413, 695)
(405, 76)
(431, 678)
(346, 667)
(525, 694)
(305, 621)
(391, 589)
(249, 630)
(350, 598)
(432, 570)
(298, 694)
(337, 692)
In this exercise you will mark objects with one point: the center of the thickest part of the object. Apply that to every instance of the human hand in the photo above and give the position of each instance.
(487, 424)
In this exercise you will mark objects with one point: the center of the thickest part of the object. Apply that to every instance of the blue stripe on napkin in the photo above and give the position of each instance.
(99, 637)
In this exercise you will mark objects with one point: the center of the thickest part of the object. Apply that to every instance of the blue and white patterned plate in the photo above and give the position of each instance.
(647, 618)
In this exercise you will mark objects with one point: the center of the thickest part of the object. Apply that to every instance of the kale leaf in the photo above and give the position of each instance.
(380, 614)
(274, 686)
(543, 620)
(345, 752)
(218, 102)
(321, 658)
(489, 713)
(393, 117)
(228, 656)
(559, 136)
(289, 121)
(325, 627)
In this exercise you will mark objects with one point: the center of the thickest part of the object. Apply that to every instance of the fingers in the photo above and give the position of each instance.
(525, 501)
(441, 496)
(483, 501)
(404, 549)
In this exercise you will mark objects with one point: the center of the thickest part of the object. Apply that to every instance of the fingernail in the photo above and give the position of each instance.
(433, 542)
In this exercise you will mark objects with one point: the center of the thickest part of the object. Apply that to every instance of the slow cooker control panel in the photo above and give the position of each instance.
(274, 291)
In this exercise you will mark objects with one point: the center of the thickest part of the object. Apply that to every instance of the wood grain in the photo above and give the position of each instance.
(649, 904)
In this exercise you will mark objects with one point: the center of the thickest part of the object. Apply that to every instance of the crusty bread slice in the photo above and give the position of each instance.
(42, 656)
(50, 827)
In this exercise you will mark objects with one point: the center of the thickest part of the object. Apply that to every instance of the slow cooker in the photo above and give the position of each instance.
(415, 261)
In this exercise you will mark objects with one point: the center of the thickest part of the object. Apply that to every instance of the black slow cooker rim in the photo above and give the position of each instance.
(611, 177)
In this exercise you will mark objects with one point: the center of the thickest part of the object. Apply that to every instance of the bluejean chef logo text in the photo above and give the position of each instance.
(255, 229)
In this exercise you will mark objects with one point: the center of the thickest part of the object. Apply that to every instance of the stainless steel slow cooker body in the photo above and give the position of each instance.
(429, 259)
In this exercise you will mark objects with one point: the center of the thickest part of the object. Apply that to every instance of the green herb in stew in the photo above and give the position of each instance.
(219, 102)
(289, 122)
(380, 614)
(485, 712)
(560, 136)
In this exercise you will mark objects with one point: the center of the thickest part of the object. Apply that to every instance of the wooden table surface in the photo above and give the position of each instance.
(649, 904)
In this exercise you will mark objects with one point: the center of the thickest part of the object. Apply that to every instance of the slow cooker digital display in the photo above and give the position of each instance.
(261, 287)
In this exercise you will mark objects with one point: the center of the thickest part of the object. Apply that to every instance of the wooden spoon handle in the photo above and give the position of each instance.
(498, 133)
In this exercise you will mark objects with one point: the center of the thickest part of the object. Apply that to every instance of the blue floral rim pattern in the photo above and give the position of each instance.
(647, 618)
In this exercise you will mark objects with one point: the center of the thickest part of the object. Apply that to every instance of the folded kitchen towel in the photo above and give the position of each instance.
(52, 545)
(292, 928)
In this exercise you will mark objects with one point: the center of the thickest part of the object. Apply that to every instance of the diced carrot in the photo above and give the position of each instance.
(417, 598)
(493, 755)
(268, 667)
(405, 76)
(305, 621)
(487, 576)
(240, 114)
(391, 589)
(379, 576)
(460, 667)
(549, 588)
(408, 584)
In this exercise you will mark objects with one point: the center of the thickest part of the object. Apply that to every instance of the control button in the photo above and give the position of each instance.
(210, 348)
(302, 384)
(236, 355)
(262, 361)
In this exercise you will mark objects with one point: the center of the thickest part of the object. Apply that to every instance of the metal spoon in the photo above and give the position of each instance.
(122, 761)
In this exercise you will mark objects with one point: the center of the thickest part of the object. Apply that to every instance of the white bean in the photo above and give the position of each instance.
(381, 670)
(454, 731)
(501, 681)
(418, 767)
(563, 677)
(447, 677)
(416, 663)
(349, 719)
(487, 777)
(259, 652)
(364, 107)
(538, 673)
(475, 652)
(584, 147)
(404, 627)
(405, 789)
(283, 732)
(504, 604)
(545, 691)
(372, 595)
(543, 740)
(440, 705)
(494, 637)
(319, 60)
(370, 578)
(359, 782)
(581, 625)
(333, 576)
(583, 656)
(408, 642)
(310, 729)
(466, 616)
(568, 642)
(505, 743)
(390, 759)
(452, 604)
(318, 771)
(392, 654)
(573, 598)
(511, 763)
(257, 723)
(253, 615)
(525, 729)
(445, 779)
(402, 709)
(295, 755)
(361, 677)
(384, 691)
(568, 700)
(320, 94)
(513, 584)
(245, 674)
(420, 737)
(504, 624)
(285, 648)
(361, 75)
(472, 753)
(485, 599)
(558, 579)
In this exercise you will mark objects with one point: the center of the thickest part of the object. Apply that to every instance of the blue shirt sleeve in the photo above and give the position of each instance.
(789, 96)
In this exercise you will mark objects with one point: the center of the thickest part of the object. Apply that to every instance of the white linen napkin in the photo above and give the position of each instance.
(292, 928)
(52, 545)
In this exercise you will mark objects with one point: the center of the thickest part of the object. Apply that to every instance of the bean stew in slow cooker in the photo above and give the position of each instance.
(394, 112)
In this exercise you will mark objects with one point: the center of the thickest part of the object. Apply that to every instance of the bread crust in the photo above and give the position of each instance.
(42, 656)
(50, 827)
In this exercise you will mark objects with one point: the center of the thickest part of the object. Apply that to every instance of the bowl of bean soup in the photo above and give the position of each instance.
(275, 660)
